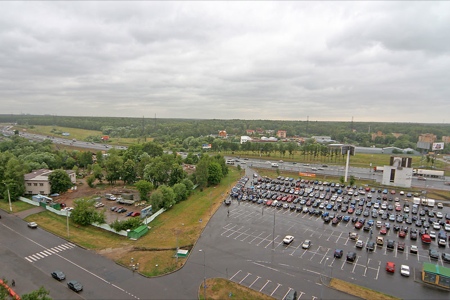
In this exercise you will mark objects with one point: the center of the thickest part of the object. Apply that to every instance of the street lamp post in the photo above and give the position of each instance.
(204, 273)
(67, 217)
(9, 197)
(321, 277)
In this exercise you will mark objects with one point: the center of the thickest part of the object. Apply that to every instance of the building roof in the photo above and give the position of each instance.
(41, 174)
(436, 269)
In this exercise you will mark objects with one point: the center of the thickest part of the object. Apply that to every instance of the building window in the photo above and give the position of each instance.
(41, 184)
(30, 192)
(42, 192)
(444, 281)
(429, 277)
(29, 183)
(35, 184)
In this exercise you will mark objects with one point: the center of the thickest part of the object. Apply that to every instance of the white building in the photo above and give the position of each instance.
(245, 139)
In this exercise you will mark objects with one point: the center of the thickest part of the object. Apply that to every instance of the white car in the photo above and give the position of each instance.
(414, 249)
(436, 226)
(288, 239)
(359, 244)
(33, 225)
(402, 193)
(439, 215)
(306, 244)
(379, 223)
(447, 227)
(433, 235)
(440, 205)
(442, 242)
(404, 270)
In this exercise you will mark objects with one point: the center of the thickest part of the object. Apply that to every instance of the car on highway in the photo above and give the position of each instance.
(288, 239)
(404, 270)
(75, 286)
(390, 267)
(306, 244)
(58, 275)
(338, 253)
(33, 225)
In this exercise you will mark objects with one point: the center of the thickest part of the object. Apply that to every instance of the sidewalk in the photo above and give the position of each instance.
(25, 213)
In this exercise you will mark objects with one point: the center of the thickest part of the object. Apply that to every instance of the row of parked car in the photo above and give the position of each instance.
(72, 284)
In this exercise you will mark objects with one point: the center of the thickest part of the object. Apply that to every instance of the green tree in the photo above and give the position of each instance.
(40, 294)
(84, 213)
(189, 185)
(59, 181)
(113, 165)
(129, 171)
(180, 191)
(215, 174)
(342, 180)
(352, 180)
(90, 180)
(144, 187)
(97, 172)
(156, 199)
(201, 172)
(168, 196)
(14, 178)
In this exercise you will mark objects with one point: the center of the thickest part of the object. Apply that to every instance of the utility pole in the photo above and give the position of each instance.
(9, 196)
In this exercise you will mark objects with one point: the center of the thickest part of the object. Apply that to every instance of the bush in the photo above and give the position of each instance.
(130, 223)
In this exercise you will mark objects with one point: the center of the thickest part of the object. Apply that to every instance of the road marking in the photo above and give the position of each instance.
(267, 282)
(235, 274)
(330, 235)
(356, 262)
(248, 274)
(228, 229)
(242, 233)
(324, 255)
(30, 260)
(343, 264)
(257, 278)
(256, 237)
(263, 239)
(284, 297)
(378, 271)
(275, 289)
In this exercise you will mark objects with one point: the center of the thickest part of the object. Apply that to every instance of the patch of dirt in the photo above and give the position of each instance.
(114, 253)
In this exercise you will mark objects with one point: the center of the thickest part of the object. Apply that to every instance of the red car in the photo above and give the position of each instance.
(350, 210)
(383, 230)
(402, 234)
(358, 225)
(393, 192)
(135, 214)
(390, 267)
(398, 208)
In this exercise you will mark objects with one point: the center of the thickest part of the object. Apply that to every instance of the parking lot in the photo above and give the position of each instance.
(264, 227)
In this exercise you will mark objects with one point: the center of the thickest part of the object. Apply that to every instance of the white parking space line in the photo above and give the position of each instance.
(228, 229)
(248, 274)
(278, 244)
(275, 289)
(301, 294)
(257, 278)
(378, 270)
(231, 278)
(248, 235)
(296, 248)
(263, 239)
(256, 237)
(242, 233)
(395, 252)
(284, 297)
(234, 231)
(332, 262)
(330, 236)
(353, 271)
(324, 255)
(343, 264)
(267, 282)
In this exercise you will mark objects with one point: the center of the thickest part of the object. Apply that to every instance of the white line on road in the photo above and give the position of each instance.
(275, 289)
(248, 274)
(257, 278)
(235, 274)
(267, 282)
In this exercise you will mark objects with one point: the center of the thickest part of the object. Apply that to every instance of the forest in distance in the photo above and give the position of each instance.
(163, 130)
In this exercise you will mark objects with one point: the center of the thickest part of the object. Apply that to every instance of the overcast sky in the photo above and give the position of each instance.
(373, 61)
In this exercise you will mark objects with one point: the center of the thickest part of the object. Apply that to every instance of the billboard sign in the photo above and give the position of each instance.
(437, 146)
(206, 146)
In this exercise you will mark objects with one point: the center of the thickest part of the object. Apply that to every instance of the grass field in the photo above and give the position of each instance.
(155, 252)
(359, 291)
(219, 288)
(17, 206)
(78, 134)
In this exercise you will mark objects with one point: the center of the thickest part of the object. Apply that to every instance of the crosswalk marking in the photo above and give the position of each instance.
(47, 252)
